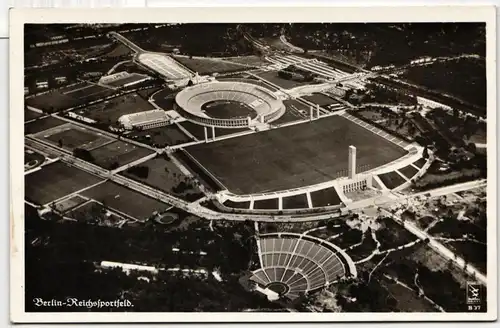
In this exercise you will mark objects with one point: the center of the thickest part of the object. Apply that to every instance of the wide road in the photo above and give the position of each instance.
(438, 247)
(126, 42)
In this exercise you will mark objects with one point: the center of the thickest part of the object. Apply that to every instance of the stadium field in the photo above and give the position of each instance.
(42, 125)
(72, 136)
(118, 153)
(392, 179)
(209, 66)
(292, 156)
(273, 77)
(168, 135)
(228, 109)
(130, 79)
(125, 200)
(110, 111)
(55, 181)
(325, 197)
(297, 201)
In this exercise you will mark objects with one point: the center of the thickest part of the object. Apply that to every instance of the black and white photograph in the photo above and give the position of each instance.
(292, 169)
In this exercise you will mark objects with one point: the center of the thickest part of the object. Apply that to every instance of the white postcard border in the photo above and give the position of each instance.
(236, 14)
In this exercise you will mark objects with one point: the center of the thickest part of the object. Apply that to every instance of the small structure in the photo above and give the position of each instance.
(145, 120)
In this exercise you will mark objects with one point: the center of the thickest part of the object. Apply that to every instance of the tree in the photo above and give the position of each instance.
(425, 154)
(60, 143)
(83, 154)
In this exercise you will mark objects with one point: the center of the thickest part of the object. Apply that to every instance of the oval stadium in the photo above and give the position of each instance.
(229, 104)
(292, 264)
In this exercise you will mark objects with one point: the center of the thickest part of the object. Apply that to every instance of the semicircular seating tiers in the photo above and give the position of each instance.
(267, 105)
(301, 265)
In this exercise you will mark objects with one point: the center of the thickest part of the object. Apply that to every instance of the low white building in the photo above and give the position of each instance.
(145, 120)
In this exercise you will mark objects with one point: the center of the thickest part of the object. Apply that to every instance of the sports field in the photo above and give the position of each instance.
(292, 156)
(168, 135)
(228, 109)
(42, 125)
(209, 65)
(125, 200)
(68, 97)
(71, 136)
(118, 153)
(273, 77)
(110, 111)
(392, 179)
(55, 181)
(198, 132)
(320, 99)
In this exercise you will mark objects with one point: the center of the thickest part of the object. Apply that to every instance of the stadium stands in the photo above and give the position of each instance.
(299, 264)
(145, 120)
(267, 106)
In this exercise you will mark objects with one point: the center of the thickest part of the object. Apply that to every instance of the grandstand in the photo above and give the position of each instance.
(145, 120)
(292, 264)
(262, 101)
(164, 65)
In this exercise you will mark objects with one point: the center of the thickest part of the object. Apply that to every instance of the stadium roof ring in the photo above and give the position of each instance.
(267, 106)
(292, 264)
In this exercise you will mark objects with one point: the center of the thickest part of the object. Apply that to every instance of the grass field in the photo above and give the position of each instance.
(110, 111)
(72, 136)
(125, 200)
(247, 60)
(70, 203)
(32, 159)
(209, 66)
(64, 98)
(266, 204)
(325, 197)
(164, 175)
(292, 156)
(160, 137)
(320, 99)
(297, 201)
(391, 179)
(31, 115)
(273, 77)
(55, 181)
(42, 125)
(408, 171)
(228, 109)
(118, 152)
(420, 163)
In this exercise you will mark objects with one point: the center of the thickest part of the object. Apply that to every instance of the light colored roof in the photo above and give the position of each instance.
(144, 117)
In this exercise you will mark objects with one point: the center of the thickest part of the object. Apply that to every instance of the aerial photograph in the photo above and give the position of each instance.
(255, 167)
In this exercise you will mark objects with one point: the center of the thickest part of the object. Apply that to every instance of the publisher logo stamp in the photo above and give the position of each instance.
(473, 293)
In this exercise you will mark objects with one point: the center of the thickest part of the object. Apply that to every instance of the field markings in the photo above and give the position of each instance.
(71, 195)
(309, 200)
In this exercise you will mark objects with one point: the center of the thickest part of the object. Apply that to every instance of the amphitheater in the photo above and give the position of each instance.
(292, 264)
(266, 106)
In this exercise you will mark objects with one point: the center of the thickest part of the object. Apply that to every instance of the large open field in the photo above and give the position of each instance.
(31, 115)
(55, 181)
(209, 65)
(164, 175)
(118, 153)
(111, 110)
(42, 125)
(168, 135)
(125, 200)
(71, 136)
(292, 156)
(273, 77)
(67, 97)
